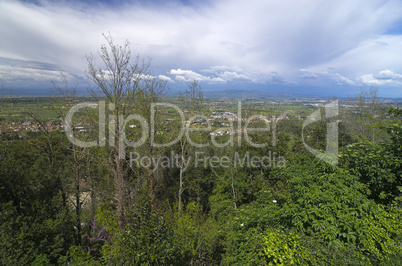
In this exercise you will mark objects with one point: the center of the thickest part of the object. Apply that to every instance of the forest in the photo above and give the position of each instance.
(129, 176)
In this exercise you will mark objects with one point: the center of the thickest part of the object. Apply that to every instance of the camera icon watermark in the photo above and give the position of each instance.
(331, 152)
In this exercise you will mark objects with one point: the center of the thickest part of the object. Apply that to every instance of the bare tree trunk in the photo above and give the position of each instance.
(233, 188)
(183, 144)
(78, 213)
(151, 177)
(234, 193)
(180, 189)
(119, 183)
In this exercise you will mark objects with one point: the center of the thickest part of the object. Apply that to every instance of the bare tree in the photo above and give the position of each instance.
(366, 116)
(81, 158)
(192, 98)
(122, 80)
(150, 91)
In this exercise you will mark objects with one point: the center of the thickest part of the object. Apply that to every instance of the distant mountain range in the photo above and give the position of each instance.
(255, 94)
(236, 94)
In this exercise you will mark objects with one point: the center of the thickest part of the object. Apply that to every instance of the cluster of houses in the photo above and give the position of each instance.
(28, 126)
(227, 132)
(225, 116)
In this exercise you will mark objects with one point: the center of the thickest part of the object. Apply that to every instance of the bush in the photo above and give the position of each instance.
(282, 249)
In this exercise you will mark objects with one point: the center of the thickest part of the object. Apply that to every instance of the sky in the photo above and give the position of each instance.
(310, 47)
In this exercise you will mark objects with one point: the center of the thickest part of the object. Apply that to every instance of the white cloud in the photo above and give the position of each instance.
(189, 75)
(165, 78)
(229, 73)
(369, 56)
(384, 77)
(305, 74)
(181, 78)
(228, 76)
(214, 69)
(237, 74)
(217, 80)
(333, 76)
(227, 41)
(341, 80)
(388, 74)
(8, 74)
(231, 76)
(143, 76)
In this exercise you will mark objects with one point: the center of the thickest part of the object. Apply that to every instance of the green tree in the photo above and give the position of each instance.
(378, 164)
(35, 219)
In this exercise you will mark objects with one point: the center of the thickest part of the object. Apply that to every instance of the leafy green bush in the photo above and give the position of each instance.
(145, 240)
(197, 236)
(282, 249)
(329, 203)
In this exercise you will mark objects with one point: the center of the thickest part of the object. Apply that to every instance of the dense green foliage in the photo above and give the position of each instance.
(304, 212)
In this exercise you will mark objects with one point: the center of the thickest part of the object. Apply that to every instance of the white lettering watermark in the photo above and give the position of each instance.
(117, 133)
